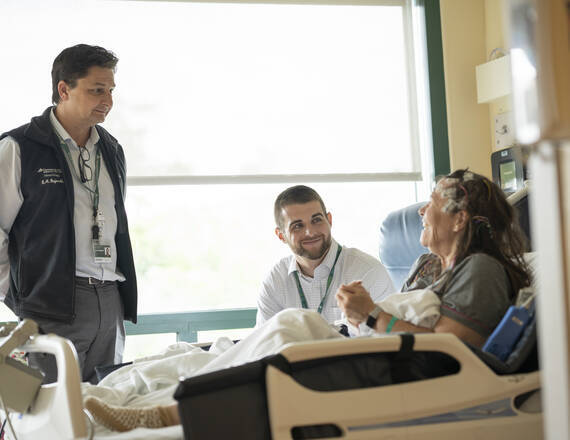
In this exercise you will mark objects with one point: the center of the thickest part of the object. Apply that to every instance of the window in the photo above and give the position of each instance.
(221, 106)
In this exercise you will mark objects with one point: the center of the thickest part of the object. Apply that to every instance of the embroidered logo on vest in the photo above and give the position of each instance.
(50, 175)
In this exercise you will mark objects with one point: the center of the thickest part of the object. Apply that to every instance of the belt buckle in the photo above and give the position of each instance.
(94, 281)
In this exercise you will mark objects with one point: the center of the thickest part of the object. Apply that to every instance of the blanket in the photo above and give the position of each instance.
(419, 307)
(152, 380)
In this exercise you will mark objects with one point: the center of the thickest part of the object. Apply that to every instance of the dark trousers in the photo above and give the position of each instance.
(98, 332)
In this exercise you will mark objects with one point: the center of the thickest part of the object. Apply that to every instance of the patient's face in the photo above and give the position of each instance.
(438, 233)
(307, 229)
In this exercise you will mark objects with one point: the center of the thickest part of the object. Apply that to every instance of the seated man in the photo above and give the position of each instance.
(319, 265)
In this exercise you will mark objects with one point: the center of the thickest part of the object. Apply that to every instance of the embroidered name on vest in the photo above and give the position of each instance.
(50, 175)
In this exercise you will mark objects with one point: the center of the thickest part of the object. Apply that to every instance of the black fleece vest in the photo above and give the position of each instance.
(42, 239)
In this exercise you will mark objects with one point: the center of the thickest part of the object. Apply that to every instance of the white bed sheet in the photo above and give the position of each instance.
(153, 381)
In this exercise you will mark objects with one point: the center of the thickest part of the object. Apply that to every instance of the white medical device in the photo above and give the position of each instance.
(19, 383)
(55, 411)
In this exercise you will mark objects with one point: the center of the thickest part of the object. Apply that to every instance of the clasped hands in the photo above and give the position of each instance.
(355, 302)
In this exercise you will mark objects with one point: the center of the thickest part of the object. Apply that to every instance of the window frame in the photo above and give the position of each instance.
(421, 164)
(186, 324)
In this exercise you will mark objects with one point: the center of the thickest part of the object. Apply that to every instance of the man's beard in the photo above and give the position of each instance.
(314, 254)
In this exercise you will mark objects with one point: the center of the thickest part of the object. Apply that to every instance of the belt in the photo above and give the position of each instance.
(94, 281)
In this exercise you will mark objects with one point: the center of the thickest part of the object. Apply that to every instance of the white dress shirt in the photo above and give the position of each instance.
(279, 290)
(11, 200)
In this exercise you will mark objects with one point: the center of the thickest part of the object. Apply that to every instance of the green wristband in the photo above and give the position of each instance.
(391, 324)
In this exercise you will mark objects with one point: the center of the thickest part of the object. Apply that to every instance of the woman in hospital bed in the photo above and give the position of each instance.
(463, 286)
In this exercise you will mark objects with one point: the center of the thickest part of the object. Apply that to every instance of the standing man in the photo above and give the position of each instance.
(65, 253)
(319, 265)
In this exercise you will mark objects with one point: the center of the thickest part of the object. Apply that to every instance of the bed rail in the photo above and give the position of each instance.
(366, 413)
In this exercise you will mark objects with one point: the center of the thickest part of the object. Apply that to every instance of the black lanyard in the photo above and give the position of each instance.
(329, 282)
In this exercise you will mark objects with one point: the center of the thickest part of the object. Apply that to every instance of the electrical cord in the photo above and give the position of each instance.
(8, 418)
(91, 424)
(497, 52)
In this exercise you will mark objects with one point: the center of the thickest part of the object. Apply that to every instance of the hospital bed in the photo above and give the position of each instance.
(344, 389)
(341, 388)
(380, 387)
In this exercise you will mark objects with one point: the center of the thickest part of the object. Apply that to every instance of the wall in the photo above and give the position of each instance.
(463, 26)
(495, 38)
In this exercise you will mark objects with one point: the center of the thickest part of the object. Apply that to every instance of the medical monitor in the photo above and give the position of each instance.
(509, 168)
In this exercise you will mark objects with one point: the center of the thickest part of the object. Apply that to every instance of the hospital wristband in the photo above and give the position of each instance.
(391, 324)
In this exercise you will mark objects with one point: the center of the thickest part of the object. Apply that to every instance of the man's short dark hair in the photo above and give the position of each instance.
(298, 194)
(74, 62)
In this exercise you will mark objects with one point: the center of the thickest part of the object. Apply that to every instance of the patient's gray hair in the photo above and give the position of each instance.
(294, 195)
(455, 193)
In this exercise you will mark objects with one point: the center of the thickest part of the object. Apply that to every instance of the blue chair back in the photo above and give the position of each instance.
(400, 242)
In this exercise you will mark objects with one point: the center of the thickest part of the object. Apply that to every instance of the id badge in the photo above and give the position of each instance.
(101, 252)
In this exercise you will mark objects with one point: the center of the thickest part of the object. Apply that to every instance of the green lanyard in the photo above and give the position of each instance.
(329, 281)
(93, 194)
